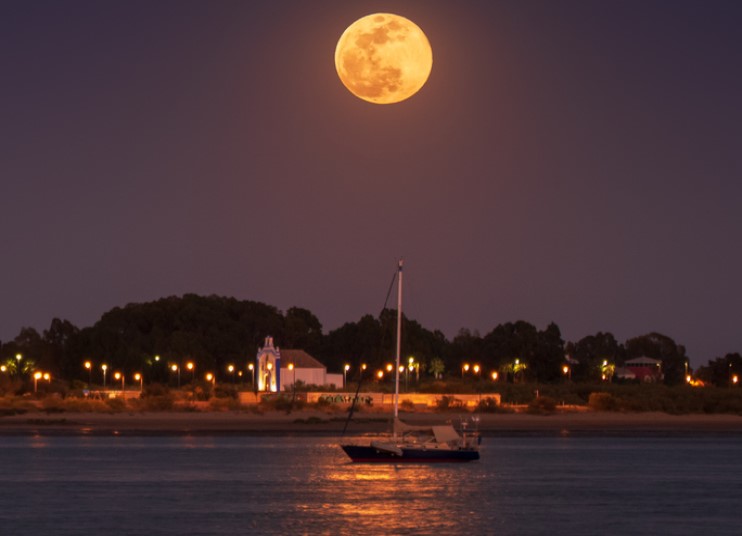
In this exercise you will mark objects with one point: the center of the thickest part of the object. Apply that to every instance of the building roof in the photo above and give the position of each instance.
(300, 359)
(643, 362)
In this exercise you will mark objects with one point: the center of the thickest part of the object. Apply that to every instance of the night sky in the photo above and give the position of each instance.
(574, 161)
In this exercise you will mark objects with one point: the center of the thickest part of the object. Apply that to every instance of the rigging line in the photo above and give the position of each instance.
(378, 354)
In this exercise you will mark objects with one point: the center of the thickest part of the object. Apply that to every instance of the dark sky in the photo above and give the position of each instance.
(573, 161)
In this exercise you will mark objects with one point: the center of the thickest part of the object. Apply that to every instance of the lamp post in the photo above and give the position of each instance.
(175, 368)
(89, 366)
(139, 378)
(293, 370)
(567, 370)
(251, 368)
(730, 374)
(104, 368)
(516, 369)
(494, 376)
(190, 366)
(36, 377)
(346, 368)
(118, 376)
(464, 369)
(230, 369)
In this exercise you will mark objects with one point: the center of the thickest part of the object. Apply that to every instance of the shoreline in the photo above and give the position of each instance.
(314, 422)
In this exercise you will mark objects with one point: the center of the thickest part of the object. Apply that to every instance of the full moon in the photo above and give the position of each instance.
(383, 58)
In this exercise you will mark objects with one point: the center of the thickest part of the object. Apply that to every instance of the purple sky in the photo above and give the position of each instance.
(575, 161)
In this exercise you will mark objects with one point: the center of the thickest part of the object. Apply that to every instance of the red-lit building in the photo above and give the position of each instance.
(645, 369)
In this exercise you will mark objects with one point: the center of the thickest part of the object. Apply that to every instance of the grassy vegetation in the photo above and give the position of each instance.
(537, 399)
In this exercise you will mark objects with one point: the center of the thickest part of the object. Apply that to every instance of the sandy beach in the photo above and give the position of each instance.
(322, 423)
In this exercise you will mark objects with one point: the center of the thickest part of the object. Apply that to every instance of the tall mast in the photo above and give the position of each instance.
(399, 340)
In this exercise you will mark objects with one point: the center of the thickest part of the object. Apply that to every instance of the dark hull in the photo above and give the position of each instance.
(361, 454)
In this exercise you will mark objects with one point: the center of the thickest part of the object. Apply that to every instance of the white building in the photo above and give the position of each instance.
(278, 370)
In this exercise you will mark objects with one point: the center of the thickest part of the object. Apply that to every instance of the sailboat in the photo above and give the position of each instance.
(415, 444)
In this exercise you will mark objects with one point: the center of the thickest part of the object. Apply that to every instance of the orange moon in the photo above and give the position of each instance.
(383, 58)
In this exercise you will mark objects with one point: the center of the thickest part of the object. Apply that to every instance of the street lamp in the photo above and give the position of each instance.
(211, 378)
(251, 368)
(346, 368)
(104, 367)
(230, 369)
(567, 370)
(36, 377)
(176, 368)
(121, 377)
(464, 368)
(190, 367)
(139, 378)
(293, 370)
(89, 366)
(494, 376)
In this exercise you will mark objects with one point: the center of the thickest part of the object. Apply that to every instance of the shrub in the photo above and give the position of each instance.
(116, 404)
(603, 402)
(489, 405)
(226, 391)
(542, 405)
(53, 404)
(224, 404)
(447, 402)
(158, 403)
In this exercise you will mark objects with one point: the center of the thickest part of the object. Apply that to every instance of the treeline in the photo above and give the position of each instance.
(214, 332)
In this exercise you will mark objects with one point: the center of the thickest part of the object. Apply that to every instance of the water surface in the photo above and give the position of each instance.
(305, 485)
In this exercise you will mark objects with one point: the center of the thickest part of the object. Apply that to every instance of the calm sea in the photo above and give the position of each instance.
(304, 485)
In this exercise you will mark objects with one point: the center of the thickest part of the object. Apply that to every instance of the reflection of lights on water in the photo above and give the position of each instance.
(380, 498)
